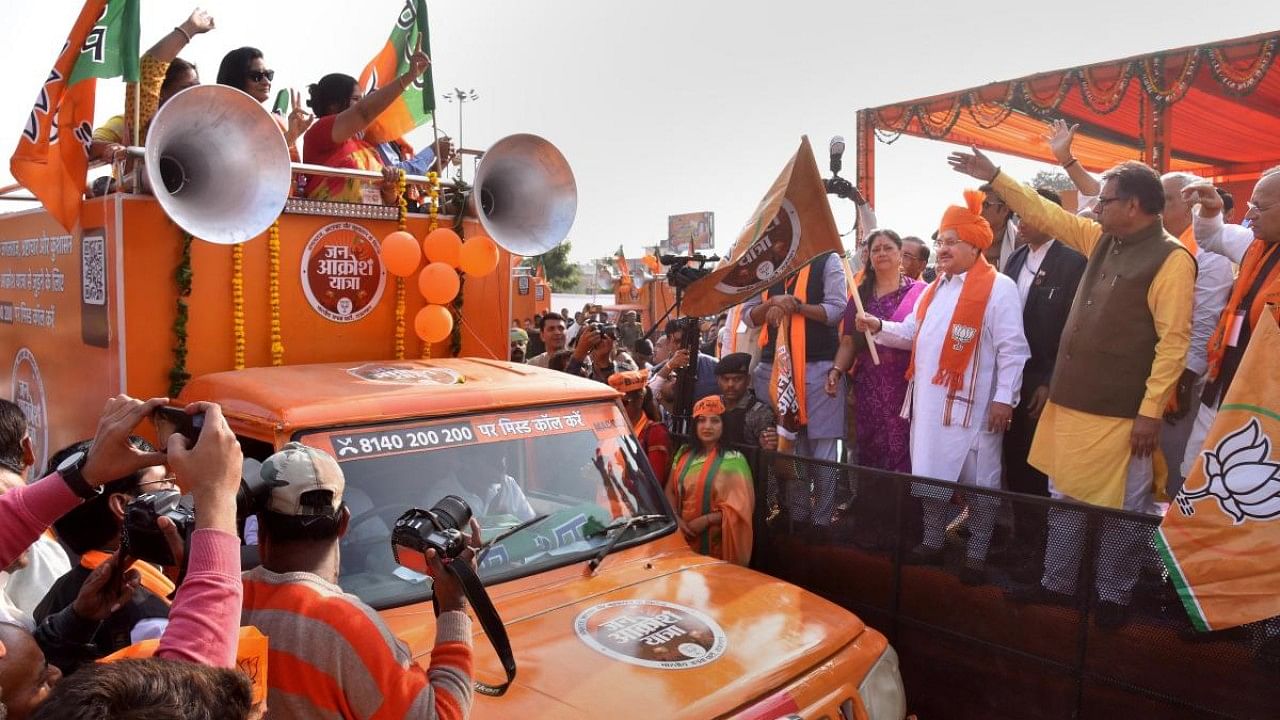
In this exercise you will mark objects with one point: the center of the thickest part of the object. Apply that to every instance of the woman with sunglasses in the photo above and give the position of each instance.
(245, 69)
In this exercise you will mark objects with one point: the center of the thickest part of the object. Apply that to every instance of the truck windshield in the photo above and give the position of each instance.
(579, 465)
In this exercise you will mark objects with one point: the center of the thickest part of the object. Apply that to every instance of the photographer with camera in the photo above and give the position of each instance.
(597, 355)
(661, 381)
(332, 655)
(203, 621)
(93, 531)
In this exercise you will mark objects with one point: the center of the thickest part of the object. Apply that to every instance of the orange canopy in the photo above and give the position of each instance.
(1212, 109)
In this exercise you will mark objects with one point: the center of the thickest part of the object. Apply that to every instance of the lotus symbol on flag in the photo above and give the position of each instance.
(1240, 475)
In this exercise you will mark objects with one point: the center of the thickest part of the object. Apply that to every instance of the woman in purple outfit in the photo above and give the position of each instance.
(883, 436)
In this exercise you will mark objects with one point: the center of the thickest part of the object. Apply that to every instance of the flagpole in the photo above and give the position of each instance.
(871, 343)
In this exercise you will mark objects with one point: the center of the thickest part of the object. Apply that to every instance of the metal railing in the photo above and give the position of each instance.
(991, 644)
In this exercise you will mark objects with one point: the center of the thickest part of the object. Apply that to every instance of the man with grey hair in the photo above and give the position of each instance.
(1214, 276)
(1256, 247)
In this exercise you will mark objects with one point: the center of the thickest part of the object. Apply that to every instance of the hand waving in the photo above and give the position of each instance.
(1059, 139)
(974, 164)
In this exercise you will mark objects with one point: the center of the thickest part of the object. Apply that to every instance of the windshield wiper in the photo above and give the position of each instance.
(487, 546)
(618, 528)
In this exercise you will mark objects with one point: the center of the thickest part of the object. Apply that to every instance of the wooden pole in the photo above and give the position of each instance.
(871, 343)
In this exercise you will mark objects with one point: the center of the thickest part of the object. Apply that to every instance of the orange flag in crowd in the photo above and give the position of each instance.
(52, 157)
(791, 226)
(1221, 538)
(251, 657)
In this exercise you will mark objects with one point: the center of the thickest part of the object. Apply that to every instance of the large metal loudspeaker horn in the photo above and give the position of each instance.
(218, 164)
(527, 194)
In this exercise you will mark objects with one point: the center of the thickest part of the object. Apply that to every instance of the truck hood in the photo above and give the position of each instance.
(669, 639)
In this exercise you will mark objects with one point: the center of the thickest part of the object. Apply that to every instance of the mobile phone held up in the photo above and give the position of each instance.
(188, 426)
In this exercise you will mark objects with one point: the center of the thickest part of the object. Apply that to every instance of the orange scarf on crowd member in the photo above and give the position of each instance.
(152, 578)
(1254, 258)
(1188, 240)
(797, 348)
(965, 329)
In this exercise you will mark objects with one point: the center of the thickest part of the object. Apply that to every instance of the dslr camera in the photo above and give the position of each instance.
(439, 529)
(142, 537)
(606, 329)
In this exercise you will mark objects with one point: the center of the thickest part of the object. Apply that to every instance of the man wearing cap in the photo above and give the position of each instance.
(655, 441)
(519, 344)
(967, 354)
(748, 420)
(332, 655)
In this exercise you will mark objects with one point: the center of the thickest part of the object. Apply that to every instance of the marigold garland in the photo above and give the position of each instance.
(401, 224)
(1038, 104)
(178, 375)
(433, 222)
(1101, 99)
(1240, 79)
(1153, 75)
(273, 290)
(237, 304)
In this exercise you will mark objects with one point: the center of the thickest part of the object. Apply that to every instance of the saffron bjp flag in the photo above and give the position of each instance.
(417, 103)
(1221, 537)
(251, 657)
(791, 226)
(782, 383)
(52, 157)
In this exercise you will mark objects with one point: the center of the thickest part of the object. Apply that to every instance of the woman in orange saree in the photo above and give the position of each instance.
(711, 489)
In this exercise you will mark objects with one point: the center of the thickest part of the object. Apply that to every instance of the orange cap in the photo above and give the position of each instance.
(709, 405)
(968, 221)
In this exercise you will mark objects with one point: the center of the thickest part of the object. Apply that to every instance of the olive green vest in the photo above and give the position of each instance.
(1109, 341)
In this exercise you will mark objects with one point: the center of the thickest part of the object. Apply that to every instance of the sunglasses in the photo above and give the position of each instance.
(260, 75)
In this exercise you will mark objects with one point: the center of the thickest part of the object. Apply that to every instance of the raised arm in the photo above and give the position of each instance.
(1059, 139)
(168, 47)
(361, 114)
(1212, 234)
(1073, 230)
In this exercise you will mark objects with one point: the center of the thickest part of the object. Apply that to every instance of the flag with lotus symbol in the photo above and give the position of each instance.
(1221, 537)
(416, 104)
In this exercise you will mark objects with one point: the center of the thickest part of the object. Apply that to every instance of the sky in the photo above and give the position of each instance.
(670, 107)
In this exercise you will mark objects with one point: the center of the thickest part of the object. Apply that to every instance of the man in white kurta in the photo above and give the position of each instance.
(956, 434)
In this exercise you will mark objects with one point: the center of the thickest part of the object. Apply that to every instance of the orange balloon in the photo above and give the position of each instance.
(400, 253)
(479, 256)
(433, 323)
(439, 283)
(442, 245)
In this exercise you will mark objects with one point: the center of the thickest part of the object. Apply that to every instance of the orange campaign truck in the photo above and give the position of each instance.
(300, 333)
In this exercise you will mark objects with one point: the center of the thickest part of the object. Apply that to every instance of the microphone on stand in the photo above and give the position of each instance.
(837, 154)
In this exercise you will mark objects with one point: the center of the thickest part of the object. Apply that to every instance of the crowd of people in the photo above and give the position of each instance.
(332, 134)
(92, 632)
(1057, 353)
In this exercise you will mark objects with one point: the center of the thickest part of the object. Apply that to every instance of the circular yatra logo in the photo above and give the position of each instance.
(763, 262)
(406, 374)
(342, 273)
(28, 393)
(652, 634)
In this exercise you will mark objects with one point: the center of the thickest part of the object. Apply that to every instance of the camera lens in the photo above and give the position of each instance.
(451, 513)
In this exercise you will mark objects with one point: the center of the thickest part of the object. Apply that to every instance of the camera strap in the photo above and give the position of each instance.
(490, 621)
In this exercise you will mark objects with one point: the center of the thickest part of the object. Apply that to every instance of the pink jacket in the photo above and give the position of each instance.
(204, 621)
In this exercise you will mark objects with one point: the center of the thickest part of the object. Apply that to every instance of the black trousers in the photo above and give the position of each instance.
(1029, 527)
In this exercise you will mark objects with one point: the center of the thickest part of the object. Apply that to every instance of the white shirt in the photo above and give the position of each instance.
(938, 449)
(1031, 268)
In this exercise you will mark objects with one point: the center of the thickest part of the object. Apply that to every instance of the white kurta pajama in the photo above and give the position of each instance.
(949, 439)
